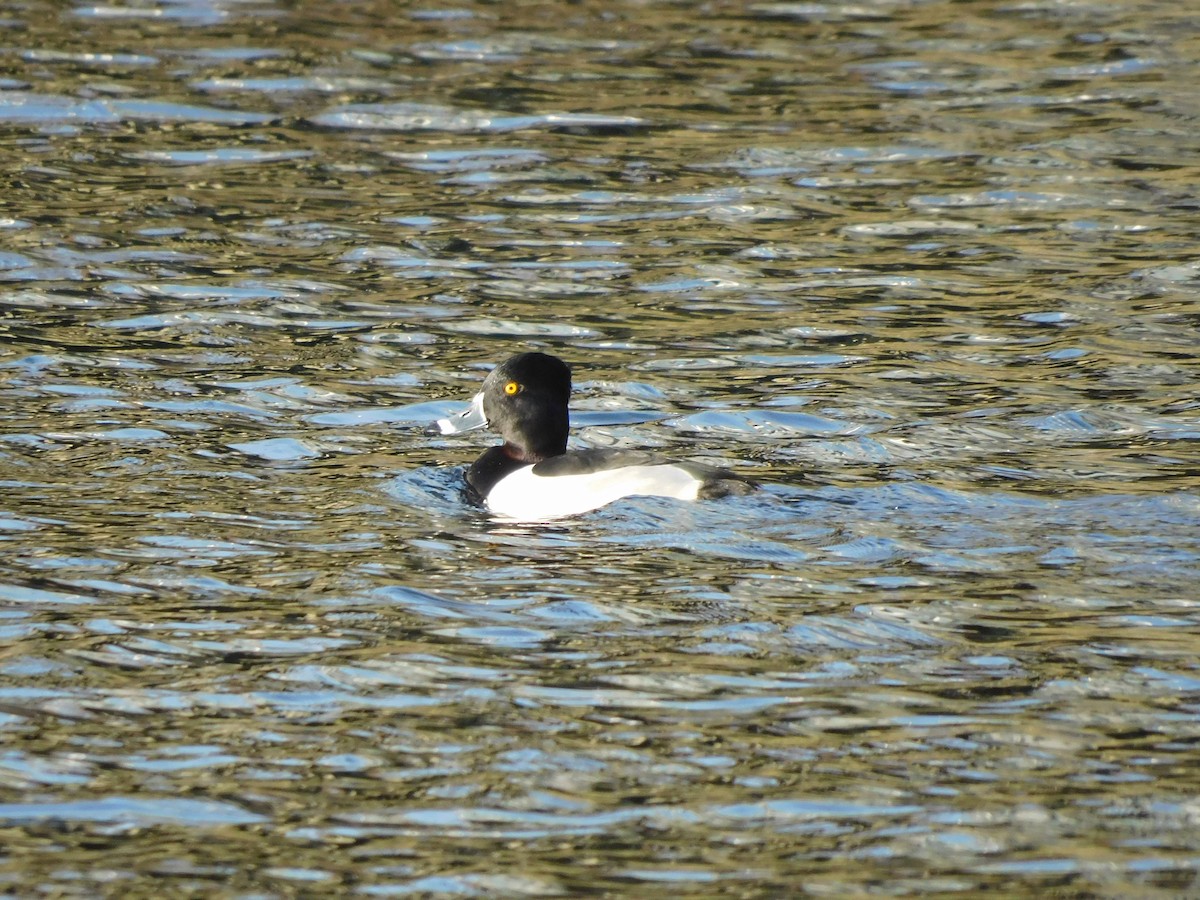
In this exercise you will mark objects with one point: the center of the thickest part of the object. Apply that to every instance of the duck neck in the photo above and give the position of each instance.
(535, 453)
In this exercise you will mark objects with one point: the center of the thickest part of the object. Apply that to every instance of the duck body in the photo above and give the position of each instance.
(533, 476)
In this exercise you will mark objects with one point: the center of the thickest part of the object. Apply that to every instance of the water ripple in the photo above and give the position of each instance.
(429, 117)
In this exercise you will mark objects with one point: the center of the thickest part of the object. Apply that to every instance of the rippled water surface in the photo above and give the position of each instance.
(929, 271)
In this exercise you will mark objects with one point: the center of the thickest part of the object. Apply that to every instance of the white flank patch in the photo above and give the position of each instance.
(526, 497)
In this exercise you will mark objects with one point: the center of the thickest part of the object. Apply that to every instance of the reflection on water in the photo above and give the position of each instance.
(928, 271)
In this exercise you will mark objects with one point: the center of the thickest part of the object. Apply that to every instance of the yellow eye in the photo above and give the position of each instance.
(512, 388)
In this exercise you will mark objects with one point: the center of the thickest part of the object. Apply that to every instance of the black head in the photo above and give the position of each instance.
(525, 400)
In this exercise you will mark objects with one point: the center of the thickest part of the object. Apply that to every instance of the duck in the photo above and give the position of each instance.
(532, 476)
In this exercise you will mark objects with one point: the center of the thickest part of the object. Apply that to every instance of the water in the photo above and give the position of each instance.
(928, 271)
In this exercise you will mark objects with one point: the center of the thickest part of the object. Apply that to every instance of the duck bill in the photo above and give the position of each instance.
(469, 419)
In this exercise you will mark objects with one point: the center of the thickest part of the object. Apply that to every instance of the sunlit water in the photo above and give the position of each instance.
(928, 271)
